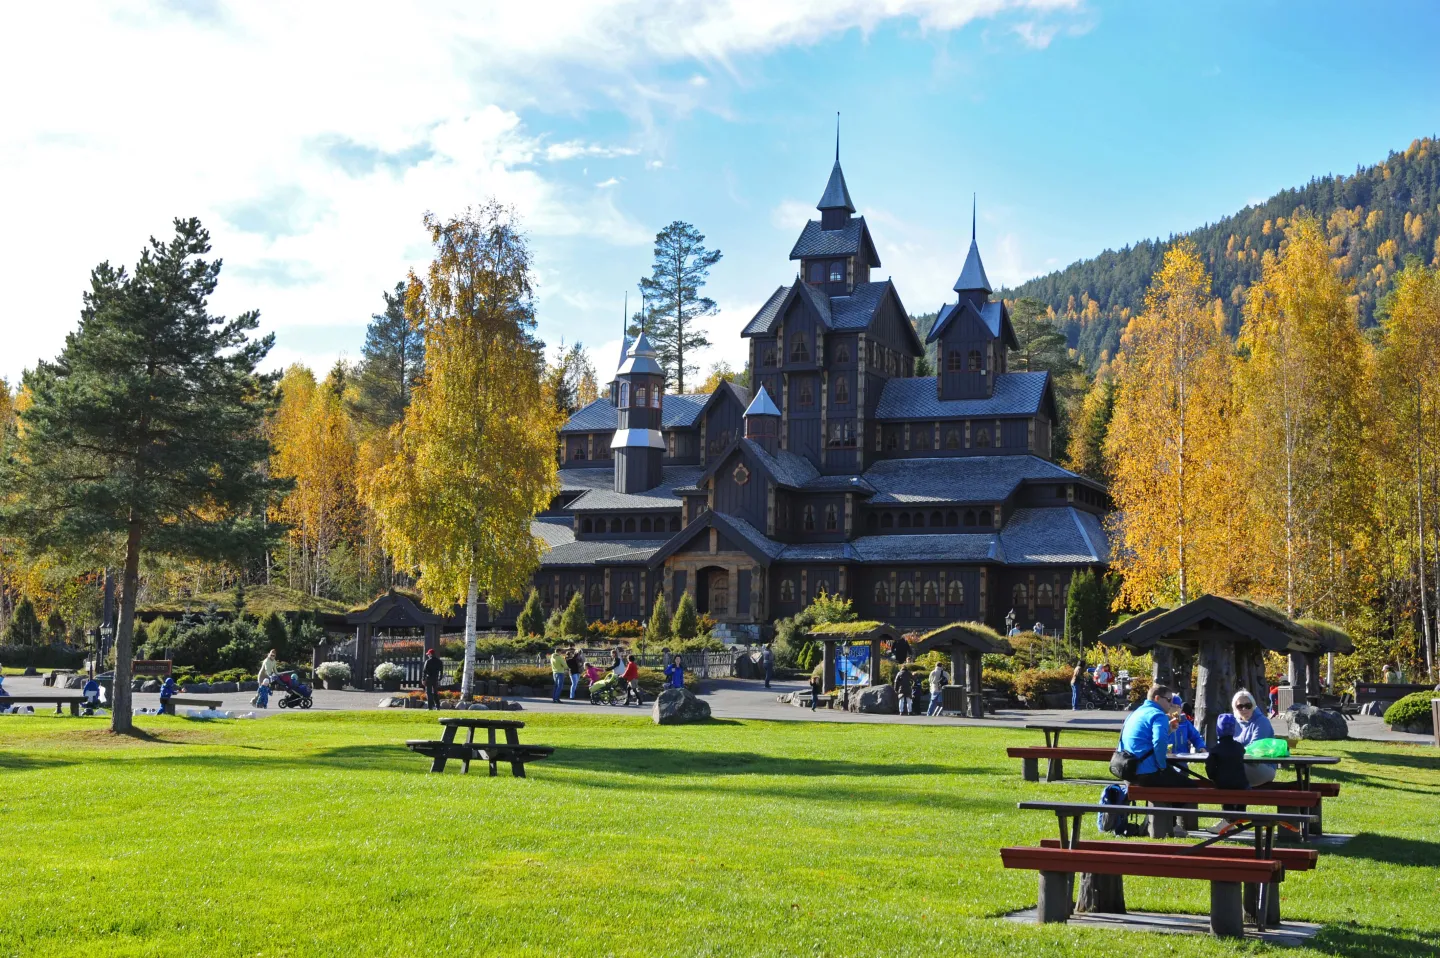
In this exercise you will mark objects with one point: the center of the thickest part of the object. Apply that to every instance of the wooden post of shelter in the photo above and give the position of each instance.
(966, 643)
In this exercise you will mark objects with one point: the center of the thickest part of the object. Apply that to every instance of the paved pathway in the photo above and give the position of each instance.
(741, 699)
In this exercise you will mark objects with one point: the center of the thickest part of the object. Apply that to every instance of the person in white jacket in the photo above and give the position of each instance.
(938, 681)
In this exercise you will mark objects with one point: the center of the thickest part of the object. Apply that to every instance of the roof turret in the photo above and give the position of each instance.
(972, 274)
(836, 196)
(641, 358)
(762, 405)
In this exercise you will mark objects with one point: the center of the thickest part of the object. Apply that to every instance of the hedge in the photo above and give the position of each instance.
(1413, 709)
(540, 679)
(41, 656)
(1034, 684)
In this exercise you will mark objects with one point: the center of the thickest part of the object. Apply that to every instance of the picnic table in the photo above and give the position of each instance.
(1052, 730)
(1054, 755)
(74, 699)
(1302, 764)
(1241, 880)
(491, 751)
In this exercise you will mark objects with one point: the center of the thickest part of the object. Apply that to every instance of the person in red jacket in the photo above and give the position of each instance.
(631, 677)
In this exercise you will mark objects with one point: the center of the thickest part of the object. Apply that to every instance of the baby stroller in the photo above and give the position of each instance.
(297, 693)
(605, 691)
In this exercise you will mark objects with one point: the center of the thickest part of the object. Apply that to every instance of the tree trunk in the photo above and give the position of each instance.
(1215, 685)
(467, 676)
(121, 719)
(1102, 893)
(1163, 669)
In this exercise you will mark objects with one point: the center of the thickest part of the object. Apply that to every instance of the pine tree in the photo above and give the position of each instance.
(1087, 607)
(393, 363)
(1092, 424)
(476, 460)
(24, 625)
(531, 620)
(146, 435)
(672, 292)
(657, 631)
(573, 623)
(686, 623)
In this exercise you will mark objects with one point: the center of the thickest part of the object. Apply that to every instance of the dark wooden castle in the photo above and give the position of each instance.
(925, 499)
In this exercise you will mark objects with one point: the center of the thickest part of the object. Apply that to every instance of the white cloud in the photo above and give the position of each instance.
(606, 184)
(573, 148)
(792, 215)
(1035, 35)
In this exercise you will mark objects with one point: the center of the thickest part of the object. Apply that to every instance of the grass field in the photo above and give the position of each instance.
(317, 834)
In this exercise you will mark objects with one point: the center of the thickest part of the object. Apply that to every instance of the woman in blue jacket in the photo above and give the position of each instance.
(675, 674)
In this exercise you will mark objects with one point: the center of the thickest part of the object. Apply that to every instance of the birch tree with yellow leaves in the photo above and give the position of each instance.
(1300, 386)
(475, 459)
(1168, 444)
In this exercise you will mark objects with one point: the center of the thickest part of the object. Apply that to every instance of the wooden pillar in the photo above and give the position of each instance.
(1215, 685)
(1312, 678)
(1163, 672)
(1101, 893)
(1183, 665)
(875, 678)
(976, 699)
(432, 637)
(362, 657)
(957, 664)
(827, 667)
(1299, 676)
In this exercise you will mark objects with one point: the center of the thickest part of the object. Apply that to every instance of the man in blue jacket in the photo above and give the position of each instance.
(1147, 735)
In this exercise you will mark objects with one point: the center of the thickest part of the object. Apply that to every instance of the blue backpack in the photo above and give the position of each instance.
(1117, 822)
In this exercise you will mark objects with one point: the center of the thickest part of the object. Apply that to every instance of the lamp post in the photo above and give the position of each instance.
(1009, 621)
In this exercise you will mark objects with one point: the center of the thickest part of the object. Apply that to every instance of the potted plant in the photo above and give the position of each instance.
(333, 674)
(389, 675)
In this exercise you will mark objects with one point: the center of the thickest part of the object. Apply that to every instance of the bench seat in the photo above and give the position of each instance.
(516, 755)
(1294, 859)
(1276, 797)
(1325, 789)
(1054, 756)
(191, 701)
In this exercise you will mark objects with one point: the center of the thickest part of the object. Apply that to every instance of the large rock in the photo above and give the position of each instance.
(150, 685)
(249, 685)
(523, 691)
(1323, 725)
(225, 687)
(71, 681)
(876, 699)
(678, 706)
(749, 665)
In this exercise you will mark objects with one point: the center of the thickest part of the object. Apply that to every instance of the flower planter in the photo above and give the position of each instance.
(334, 685)
(389, 685)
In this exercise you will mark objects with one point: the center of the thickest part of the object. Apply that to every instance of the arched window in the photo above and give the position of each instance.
(597, 594)
(640, 397)
(629, 525)
(974, 360)
(822, 587)
(627, 591)
(768, 356)
(982, 438)
(952, 519)
(675, 524)
(931, 594)
(624, 394)
(1018, 596)
(807, 393)
(837, 271)
(586, 526)
(817, 272)
(842, 390)
(882, 593)
(920, 438)
(832, 519)
(614, 524)
(569, 592)
(955, 592)
(887, 521)
(809, 521)
(969, 517)
(872, 522)
(799, 349)
(787, 590)
(986, 518)
(953, 362)
(579, 452)
(655, 398)
(919, 520)
(645, 524)
(907, 592)
(1044, 595)
(842, 353)
(936, 520)
(892, 439)
(904, 520)
(952, 439)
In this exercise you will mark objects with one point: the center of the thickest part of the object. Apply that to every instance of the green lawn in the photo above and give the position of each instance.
(317, 834)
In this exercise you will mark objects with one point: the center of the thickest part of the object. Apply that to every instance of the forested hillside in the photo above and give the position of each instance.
(1373, 220)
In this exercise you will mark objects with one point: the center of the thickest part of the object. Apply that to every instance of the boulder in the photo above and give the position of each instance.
(1423, 727)
(749, 665)
(150, 685)
(225, 687)
(1309, 722)
(1376, 708)
(679, 706)
(137, 684)
(71, 681)
(196, 688)
(876, 699)
(393, 702)
(249, 685)
(30, 670)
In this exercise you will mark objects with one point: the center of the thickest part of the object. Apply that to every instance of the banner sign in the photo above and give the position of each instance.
(852, 665)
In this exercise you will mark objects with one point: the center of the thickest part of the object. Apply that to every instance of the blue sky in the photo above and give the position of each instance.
(312, 140)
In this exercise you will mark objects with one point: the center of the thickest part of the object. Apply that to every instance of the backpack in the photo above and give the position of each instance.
(1117, 822)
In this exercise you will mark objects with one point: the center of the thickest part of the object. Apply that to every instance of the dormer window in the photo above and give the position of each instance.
(799, 349)
(817, 272)
(837, 271)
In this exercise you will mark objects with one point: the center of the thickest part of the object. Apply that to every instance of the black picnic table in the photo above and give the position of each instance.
(1052, 730)
(1302, 764)
(75, 701)
(492, 752)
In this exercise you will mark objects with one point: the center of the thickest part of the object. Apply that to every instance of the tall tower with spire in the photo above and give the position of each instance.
(973, 333)
(638, 447)
(836, 253)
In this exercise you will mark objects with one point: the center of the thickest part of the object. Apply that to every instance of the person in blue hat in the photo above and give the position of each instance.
(1186, 737)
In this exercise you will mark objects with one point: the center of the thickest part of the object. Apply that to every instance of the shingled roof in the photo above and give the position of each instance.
(677, 410)
(661, 497)
(853, 239)
(1053, 536)
(1016, 394)
(980, 479)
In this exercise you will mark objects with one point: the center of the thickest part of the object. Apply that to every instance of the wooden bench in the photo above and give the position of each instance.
(1280, 799)
(73, 700)
(167, 706)
(491, 751)
(1244, 881)
(1054, 757)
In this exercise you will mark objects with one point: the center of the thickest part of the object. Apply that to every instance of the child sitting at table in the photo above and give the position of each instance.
(1184, 736)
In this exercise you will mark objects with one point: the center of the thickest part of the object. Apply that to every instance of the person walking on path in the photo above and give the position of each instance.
(1076, 678)
(767, 659)
(815, 685)
(905, 687)
(269, 667)
(430, 679)
(617, 665)
(675, 673)
(1253, 727)
(1146, 735)
(558, 671)
(938, 681)
(575, 662)
(631, 678)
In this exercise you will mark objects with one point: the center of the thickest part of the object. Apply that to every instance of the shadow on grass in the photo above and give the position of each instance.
(1370, 780)
(1390, 850)
(1365, 941)
(1397, 759)
(674, 761)
(14, 762)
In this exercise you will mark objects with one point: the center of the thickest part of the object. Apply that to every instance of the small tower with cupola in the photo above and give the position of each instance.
(973, 334)
(638, 446)
(762, 422)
